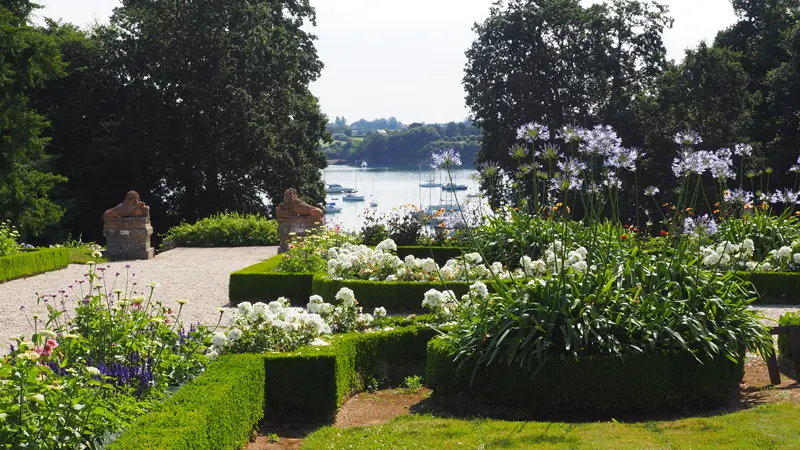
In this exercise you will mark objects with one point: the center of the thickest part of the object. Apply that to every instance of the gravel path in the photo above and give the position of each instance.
(199, 275)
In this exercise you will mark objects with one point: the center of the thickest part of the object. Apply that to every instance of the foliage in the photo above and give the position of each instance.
(28, 59)
(225, 230)
(200, 106)
(260, 282)
(393, 295)
(550, 61)
(759, 427)
(784, 346)
(8, 239)
(413, 383)
(774, 287)
(216, 411)
(311, 383)
(32, 263)
(603, 383)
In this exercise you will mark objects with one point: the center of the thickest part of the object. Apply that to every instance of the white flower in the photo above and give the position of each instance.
(245, 308)
(480, 289)
(796, 258)
(319, 343)
(432, 300)
(388, 244)
(364, 319)
(36, 398)
(380, 312)
(580, 266)
(473, 258)
(94, 371)
(314, 303)
(235, 334)
(346, 296)
(429, 265)
(212, 355)
(784, 252)
(47, 334)
(275, 307)
(219, 339)
(391, 278)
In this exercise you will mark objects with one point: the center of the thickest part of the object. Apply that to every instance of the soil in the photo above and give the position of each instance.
(368, 409)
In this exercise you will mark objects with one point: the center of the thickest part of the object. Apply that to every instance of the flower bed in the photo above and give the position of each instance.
(396, 296)
(311, 383)
(606, 384)
(32, 263)
(218, 410)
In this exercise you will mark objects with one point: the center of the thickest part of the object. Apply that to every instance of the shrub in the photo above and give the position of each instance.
(224, 230)
(32, 263)
(312, 383)
(784, 346)
(8, 239)
(439, 254)
(598, 383)
(260, 282)
(218, 410)
(392, 295)
(775, 287)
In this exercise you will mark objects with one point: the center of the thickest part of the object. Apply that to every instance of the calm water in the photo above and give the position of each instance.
(390, 188)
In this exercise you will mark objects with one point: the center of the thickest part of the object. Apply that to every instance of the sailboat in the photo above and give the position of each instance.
(373, 203)
(331, 208)
(353, 197)
(431, 183)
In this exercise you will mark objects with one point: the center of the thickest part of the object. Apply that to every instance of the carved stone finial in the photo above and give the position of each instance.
(294, 205)
(130, 207)
(296, 218)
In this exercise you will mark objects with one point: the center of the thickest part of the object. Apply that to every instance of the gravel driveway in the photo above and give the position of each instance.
(199, 275)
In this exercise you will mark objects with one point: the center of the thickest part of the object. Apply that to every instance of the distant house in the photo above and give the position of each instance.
(382, 132)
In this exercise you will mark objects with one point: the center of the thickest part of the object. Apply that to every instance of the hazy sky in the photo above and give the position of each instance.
(406, 58)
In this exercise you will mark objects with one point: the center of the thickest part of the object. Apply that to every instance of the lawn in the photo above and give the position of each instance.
(767, 426)
(82, 255)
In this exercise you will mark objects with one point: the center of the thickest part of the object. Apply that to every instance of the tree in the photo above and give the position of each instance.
(201, 105)
(557, 62)
(28, 58)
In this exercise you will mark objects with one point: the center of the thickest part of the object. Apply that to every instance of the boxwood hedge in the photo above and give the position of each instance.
(784, 347)
(605, 384)
(32, 263)
(439, 254)
(395, 296)
(775, 287)
(216, 411)
(260, 283)
(310, 384)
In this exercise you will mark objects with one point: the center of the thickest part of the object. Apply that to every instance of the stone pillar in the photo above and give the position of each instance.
(296, 218)
(128, 238)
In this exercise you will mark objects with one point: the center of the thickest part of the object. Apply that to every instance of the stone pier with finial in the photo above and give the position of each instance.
(127, 230)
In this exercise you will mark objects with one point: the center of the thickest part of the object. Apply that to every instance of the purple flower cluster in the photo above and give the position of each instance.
(531, 132)
(135, 371)
(786, 196)
(688, 138)
(795, 168)
(446, 158)
(600, 140)
(703, 224)
(738, 196)
(719, 163)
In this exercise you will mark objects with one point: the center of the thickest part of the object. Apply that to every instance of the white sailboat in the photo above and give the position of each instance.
(353, 197)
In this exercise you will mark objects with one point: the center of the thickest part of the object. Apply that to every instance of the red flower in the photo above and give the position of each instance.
(664, 233)
(624, 236)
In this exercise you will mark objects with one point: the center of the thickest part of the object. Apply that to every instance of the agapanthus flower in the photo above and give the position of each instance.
(533, 131)
(563, 182)
(611, 180)
(518, 152)
(743, 150)
(738, 196)
(786, 196)
(446, 158)
(489, 169)
(651, 191)
(703, 224)
(795, 168)
(600, 140)
(570, 133)
(691, 162)
(721, 165)
(571, 166)
(688, 138)
(550, 152)
(624, 158)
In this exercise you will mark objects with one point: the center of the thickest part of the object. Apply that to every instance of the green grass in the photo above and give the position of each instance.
(769, 426)
(82, 255)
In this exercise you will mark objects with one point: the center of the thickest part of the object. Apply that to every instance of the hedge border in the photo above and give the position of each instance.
(310, 384)
(784, 347)
(774, 287)
(33, 263)
(395, 296)
(596, 384)
(216, 411)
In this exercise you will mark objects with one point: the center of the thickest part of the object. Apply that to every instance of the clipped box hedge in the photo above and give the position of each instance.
(260, 283)
(32, 263)
(395, 296)
(605, 384)
(216, 411)
(784, 346)
(775, 287)
(310, 384)
(439, 254)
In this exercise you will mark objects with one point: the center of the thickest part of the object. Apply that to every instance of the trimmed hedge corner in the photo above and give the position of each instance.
(312, 383)
(396, 296)
(641, 382)
(216, 411)
(32, 263)
(784, 347)
(260, 283)
(775, 287)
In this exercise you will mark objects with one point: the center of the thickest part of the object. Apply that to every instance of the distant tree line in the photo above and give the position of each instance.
(559, 62)
(200, 105)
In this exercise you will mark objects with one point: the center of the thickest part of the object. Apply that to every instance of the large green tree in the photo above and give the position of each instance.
(28, 58)
(558, 62)
(200, 105)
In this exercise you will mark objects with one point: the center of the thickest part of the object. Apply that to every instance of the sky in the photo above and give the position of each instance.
(406, 58)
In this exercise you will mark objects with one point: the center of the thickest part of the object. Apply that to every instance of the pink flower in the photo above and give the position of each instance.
(51, 344)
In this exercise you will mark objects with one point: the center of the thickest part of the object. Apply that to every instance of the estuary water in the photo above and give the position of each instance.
(390, 188)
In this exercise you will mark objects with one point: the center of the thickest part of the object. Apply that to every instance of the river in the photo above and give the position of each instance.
(391, 188)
